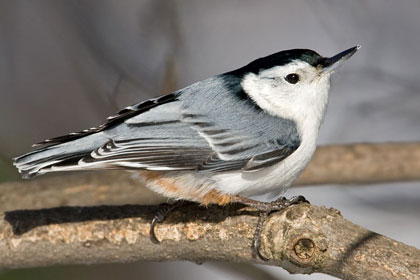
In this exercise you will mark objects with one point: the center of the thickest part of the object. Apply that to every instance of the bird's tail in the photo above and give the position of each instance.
(58, 157)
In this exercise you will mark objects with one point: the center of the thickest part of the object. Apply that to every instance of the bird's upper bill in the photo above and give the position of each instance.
(331, 63)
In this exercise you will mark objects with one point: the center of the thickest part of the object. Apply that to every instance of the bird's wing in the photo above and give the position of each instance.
(199, 131)
(172, 143)
(238, 149)
(154, 140)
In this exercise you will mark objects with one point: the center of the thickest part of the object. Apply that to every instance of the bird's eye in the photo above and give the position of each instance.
(292, 78)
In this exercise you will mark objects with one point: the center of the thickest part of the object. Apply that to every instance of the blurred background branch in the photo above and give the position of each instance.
(363, 164)
(7, 171)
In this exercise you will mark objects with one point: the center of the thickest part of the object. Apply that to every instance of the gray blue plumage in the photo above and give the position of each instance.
(210, 126)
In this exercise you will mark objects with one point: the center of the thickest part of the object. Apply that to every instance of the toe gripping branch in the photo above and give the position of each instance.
(264, 208)
(161, 216)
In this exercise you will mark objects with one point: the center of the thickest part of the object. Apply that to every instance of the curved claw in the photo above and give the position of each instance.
(256, 240)
(256, 250)
(298, 199)
(160, 217)
(153, 237)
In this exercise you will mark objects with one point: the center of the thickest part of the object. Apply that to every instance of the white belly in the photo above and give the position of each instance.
(275, 178)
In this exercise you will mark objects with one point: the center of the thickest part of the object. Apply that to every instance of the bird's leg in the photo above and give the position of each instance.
(265, 208)
(161, 216)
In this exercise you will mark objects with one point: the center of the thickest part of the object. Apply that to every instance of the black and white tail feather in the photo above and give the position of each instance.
(69, 152)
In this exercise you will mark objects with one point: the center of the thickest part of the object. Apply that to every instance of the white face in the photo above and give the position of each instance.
(296, 91)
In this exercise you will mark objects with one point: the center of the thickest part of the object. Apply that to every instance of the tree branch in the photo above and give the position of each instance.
(363, 164)
(302, 239)
(345, 164)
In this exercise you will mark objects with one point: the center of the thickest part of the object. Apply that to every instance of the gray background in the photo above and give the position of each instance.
(66, 65)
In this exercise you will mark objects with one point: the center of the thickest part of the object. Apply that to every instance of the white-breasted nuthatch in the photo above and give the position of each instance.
(246, 132)
(242, 133)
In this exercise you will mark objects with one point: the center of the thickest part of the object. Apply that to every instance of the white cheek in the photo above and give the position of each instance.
(305, 104)
(275, 98)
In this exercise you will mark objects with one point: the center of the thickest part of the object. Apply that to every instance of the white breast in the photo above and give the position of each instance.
(276, 178)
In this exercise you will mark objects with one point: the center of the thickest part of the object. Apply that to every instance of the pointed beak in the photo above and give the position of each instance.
(332, 63)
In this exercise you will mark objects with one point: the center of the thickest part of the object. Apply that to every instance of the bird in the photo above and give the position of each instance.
(225, 139)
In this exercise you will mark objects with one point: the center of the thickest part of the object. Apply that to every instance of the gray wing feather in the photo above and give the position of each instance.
(269, 158)
(215, 164)
(209, 128)
(156, 140)
(241, 134)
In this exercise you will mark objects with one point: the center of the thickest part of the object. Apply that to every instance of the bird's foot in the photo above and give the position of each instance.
(161, 216)
(265, 209)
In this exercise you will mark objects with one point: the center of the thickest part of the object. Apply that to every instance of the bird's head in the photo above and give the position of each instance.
(292, 84)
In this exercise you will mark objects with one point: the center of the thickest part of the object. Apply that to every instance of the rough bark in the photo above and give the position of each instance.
(302, 239)
(341, 164)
